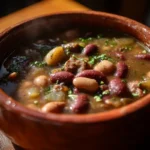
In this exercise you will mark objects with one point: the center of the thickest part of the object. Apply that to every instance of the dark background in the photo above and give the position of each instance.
(135, 9)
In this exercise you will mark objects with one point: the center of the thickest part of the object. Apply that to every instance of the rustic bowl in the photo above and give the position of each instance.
(116, 129)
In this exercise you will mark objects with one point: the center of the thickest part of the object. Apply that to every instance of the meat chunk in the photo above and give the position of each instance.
(134, 88)
(75, 65)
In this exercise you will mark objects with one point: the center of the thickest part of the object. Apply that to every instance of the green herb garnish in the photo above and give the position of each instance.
(135, 94)
(106, 92)
(38, 64)
(47, 90)
(98, 98)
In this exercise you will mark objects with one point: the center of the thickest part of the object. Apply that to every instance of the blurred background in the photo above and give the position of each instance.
(135, 9)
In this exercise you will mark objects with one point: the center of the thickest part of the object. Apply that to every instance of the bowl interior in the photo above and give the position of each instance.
(32, 30)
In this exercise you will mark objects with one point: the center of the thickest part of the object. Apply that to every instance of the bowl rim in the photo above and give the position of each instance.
(12, 105)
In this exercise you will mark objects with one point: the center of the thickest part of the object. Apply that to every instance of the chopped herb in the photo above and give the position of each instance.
(110, 42)
(98, 98)
(126, 48)
(67, 51)
(17, 63)
(38, 64)
(72, 96)
(85, 40)
(106, 92)
(135, 94)
(144, 91)
(96, 58)
(70, 92)
(47, 90)
(101, 82)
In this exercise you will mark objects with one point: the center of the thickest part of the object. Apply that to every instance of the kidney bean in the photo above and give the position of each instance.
(62, 76)
(81, 103)
(143, 56)
(90, 49)
(117, 87)
(76, 91)
(121, 69)
(55, 107)
(86, 84)
(93, 74)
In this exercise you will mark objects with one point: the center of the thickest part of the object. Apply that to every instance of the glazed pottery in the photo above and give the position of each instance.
(117, 129)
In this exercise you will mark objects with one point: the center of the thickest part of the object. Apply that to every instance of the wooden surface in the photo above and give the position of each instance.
(38, 9)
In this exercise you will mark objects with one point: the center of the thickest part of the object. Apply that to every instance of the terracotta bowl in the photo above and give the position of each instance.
(116, 129)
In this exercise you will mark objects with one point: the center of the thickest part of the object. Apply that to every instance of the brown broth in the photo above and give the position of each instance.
(24, 89)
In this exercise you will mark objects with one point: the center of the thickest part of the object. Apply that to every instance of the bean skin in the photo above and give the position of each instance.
(121, 69)
(81, 103)
(54, 107)
(92, 74)
(117, 87)
(90, 49)
(143, 56)
(62, 76)
(86, 84)
(105, 67)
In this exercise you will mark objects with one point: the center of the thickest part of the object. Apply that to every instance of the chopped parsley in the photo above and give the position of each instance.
(135, 94)
(106, 92)
(72, 96)
(101, 82)
(38, 64)
(98, 98)
(47, 90)
(110, 42)
(94, 59)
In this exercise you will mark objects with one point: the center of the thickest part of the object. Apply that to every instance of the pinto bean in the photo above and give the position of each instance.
(117, 87)
(41, 80)
(62, 76)
(81, 103)
(93, 74)
(13, 75)
(54, 107)
(121, 69)
(105, 67)
(90, 49)
(86, 84)
(143, 56)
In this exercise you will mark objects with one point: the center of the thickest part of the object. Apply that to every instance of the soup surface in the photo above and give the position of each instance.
(78, 72)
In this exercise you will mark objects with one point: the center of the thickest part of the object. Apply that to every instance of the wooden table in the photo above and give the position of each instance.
(38, 9)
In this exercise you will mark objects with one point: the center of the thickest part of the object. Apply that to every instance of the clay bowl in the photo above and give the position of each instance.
(117, 129)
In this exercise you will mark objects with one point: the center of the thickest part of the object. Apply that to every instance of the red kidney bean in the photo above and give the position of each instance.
(121, 69)
(76, 91)
(143, 56)
(81, 103)
(117, 87)
(62, 76)
(120, 55)
(93, 74)
(90, 49)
